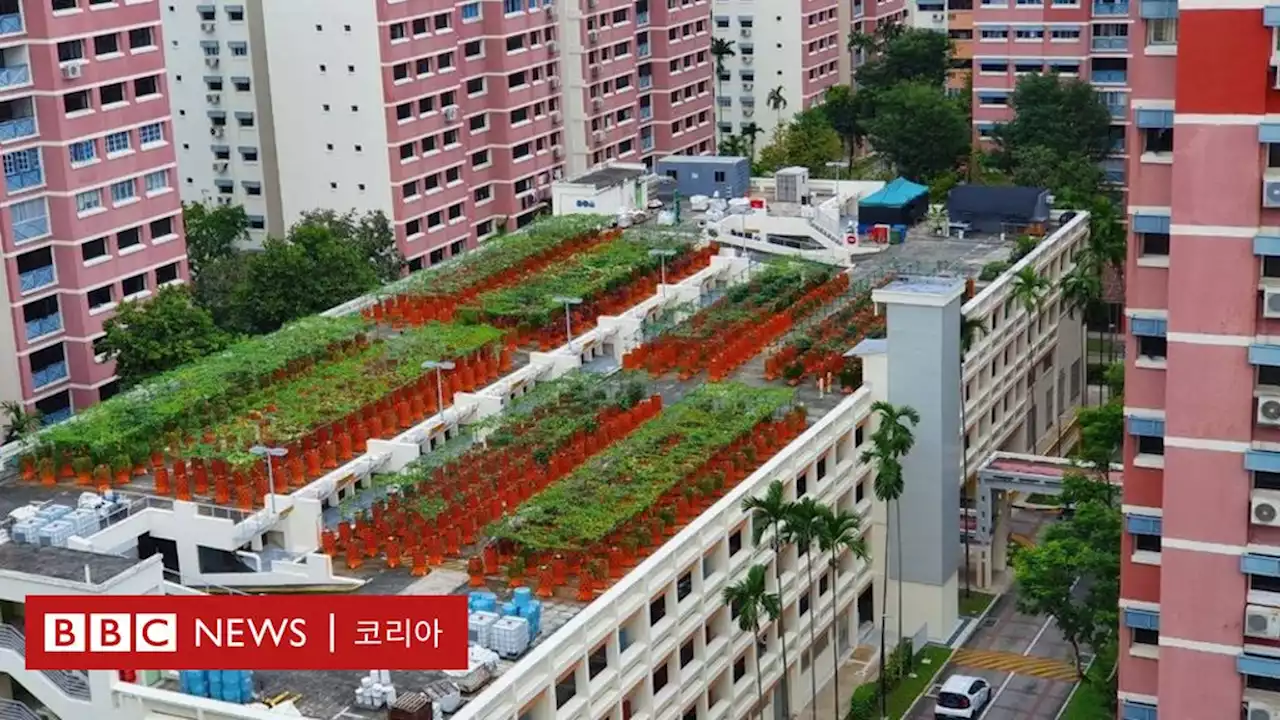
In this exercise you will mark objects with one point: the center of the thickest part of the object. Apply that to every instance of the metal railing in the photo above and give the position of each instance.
(1110, 7)
(1113, 43)
(1108, 76)
(10, 24)
(17, 128)
(14, 710)
(30, 228)
(49, 375)
(73, 683)
(15, 75)
(38, 278)
(46, 325)
(23, 180)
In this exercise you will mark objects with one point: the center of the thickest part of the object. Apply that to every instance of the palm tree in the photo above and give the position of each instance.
(1029, 288)
(749, 132)
(777, 102)
(18, 423)
(970, 329)
(770, 512)
(801, 527)
(889, 443)
(1082, 287)
(837, 532)
(721, 49)
(750, 598)
(734, 145)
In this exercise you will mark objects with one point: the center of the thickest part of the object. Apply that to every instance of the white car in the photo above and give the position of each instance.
(962, 696)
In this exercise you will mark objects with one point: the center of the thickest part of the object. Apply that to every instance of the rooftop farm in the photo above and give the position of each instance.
(323, 386)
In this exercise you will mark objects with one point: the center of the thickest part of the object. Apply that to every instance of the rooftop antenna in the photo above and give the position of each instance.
(88, 579)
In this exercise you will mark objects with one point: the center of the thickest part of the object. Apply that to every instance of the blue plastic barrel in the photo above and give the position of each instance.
(509, 608)
(523, 596)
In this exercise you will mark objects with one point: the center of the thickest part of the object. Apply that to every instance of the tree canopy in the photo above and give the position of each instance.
(147, 337)
(213, 232)
(921, 130)
(808, 140)
(1065, 116)
(905, 55)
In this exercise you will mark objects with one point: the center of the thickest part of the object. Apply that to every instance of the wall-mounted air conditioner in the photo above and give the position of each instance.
(554, 82)
(597, 104)
(748, 59)
(1271, 193)
(1269, 411)
(217, 131)
(746, 32)
(1271, 303)
(1261, 711)
(557, 152)
(556, 117)
(552, 47)
(1264, 505)
(595, 72)
(208, 26)
(451, 113)
(212, 62)
(593, 36)
(219, 166)
(214, 98)
(73, 70)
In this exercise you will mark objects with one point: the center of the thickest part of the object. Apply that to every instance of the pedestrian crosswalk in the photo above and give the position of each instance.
(1015, 663)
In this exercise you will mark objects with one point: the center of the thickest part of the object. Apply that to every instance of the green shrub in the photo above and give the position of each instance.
(992, 270)
(865, 703)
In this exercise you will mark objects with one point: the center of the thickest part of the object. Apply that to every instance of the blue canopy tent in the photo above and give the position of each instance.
(900, 202)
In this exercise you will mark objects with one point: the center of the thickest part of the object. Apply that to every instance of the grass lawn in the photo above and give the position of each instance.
(973, 605)
(1089, 702)
(929, 661)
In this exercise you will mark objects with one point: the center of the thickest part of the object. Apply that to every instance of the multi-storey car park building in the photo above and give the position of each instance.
(1201, 555)
(90, 217)
(659, 642)
(451, 120)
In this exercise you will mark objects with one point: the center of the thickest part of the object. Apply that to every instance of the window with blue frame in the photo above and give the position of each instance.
(1263, 572)
(1261, 682)
(153, 133)
(1130, 710)
(118, 142)
(993, 67)
(1146, 531)
(1153, 244)
(1150, 336)
(85, 151)
(471, 11)
(1144, 627)
(512, 6)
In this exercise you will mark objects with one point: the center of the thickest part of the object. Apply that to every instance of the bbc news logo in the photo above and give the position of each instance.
(309, 632)
(111, 632)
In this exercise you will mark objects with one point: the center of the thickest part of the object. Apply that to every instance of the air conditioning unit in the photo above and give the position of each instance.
(557, 174)
(1271, 194)
(591, 4)
(208, 27)
(595, 72)
(223, 200)
(71, 71)
(748, 112)
(593, 37)
(939, 17)
(550, 8)
(748, 59)
(212, 62)
(1261, 711)
(1269, 410)
(746, 32)
(450, 112)
(597, 104)
(748, 87)
(1264, 506)
(219, 166)
(1271, 303)
(552, 47)
(598, 137)
(218, 131)
(557, 152)
(556, 117)
(214, 98)
(554, 82)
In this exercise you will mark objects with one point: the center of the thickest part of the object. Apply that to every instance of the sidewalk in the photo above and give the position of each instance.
(856, 670)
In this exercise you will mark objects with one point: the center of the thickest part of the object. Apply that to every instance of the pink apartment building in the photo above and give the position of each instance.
(1200, 575)
(90, 215)
(483, 104)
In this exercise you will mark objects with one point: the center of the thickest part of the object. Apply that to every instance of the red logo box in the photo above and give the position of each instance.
(267, 632)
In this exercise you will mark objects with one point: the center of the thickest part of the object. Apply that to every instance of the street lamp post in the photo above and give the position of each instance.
(663, 254)
(439, 366)
(267, 453)
(568, 303)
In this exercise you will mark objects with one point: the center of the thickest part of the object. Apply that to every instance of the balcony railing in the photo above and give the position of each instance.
(23, 180)
(14, 75)
(72, 682)
(46, 325)
(1117, 146)
(646, 112)
(14, 710)
(1110, 43)
(1109, 77)
(10, 24)
(30, 228)
(1106, 7)
(49, 374)
(643, 50)
(642, 18)
(1118, 112)
(646, 82)
(36, 279)
(57, 416)
(646, 143)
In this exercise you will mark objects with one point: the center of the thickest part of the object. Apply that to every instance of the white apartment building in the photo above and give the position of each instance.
(660, 643)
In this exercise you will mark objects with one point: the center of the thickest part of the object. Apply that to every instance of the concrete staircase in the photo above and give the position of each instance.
(65, 692)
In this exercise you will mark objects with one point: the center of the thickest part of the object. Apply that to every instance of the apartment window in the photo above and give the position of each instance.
(1162, 31)
(475, 86)
(109, 390)
(515, 42)
(241, 84)
(397, 31)
(597, 661)
(142, 87)
(479, 158)
(660, 678)
(70, 51)
(457, 247)
(88, 201)
(135, 285)
(1144, 636)
(141, 38)
(1157, 140)
(106, 44)
(519, 115)
(735, 542)
(1264, 583)
(434, 220)
(76, 102)
(239, 49)
(684, 586)
(85, 151)
(160, 228)
(482, 193)
(566, 688)
(473, 49)
(235, 14)
(118, 142)
(686, 652)
(1152, 347)
(128, 238)
(156, 181)
(124, 191)
(455, 212)
(471, 11)
(61, 5)
(98, 297)
(657, 609)
(1154, 243)
(111, 94)
(740, 667)
(93, 249)
(1148, 445)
